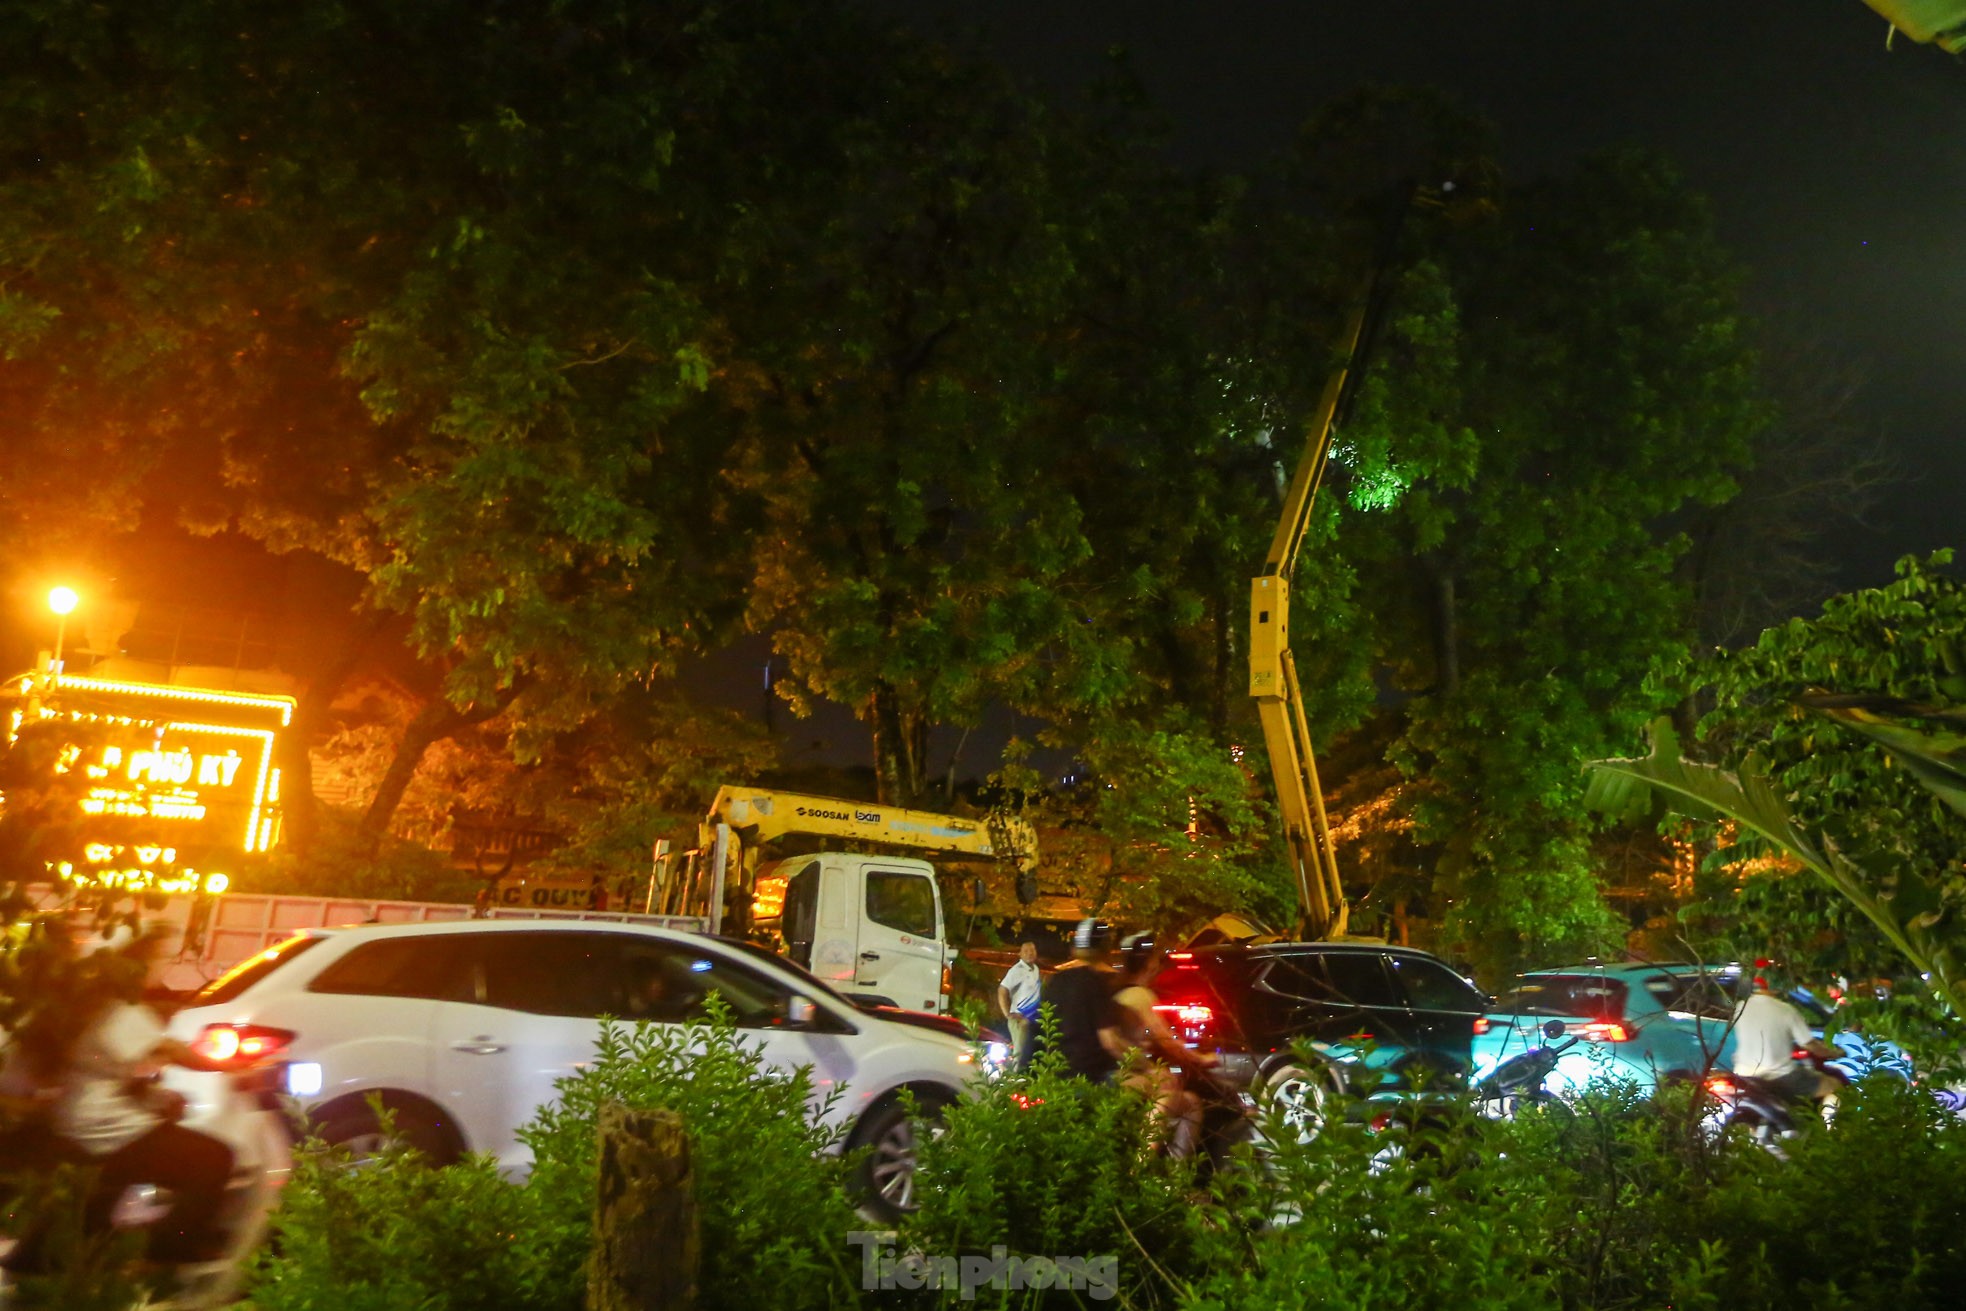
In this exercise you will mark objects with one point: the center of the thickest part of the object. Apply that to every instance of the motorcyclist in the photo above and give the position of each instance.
(1140, 961)
(1091, 1025)
(127, 1127)
(1768, 1031)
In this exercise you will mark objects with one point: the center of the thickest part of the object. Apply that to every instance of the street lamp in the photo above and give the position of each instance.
(62, 600)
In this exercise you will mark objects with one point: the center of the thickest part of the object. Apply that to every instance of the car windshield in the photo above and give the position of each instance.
(1588, 996)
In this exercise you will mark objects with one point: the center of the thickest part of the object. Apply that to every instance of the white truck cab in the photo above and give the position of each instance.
(867, 922)
(871, 926)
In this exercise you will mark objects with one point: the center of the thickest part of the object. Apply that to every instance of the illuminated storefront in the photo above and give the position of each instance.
(175, 784)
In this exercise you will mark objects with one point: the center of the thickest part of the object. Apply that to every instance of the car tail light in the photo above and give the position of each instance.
(1606, 1031)
(241, 1045)
(1720, 1087)
(1480, 1025)
(1192, 1022)
(1180, 955)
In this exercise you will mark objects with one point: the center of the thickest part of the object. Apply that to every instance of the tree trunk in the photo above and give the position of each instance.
(900, 748)
(300, 812)
(437, 720)
(646, 1248)
(1447, 637)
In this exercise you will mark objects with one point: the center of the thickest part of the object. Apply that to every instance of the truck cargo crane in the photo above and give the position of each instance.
(871, 925)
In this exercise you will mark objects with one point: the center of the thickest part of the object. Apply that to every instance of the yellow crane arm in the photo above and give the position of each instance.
(762, 814)
(1273, 675)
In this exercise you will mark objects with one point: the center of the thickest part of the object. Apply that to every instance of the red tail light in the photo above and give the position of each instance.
(241, 1044)
(1480, 1025)
(1606, 1031)
(1180, 955)
(1192, 1022)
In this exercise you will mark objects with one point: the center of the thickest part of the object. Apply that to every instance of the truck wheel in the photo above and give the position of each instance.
(358, 1131)
(884, 1179)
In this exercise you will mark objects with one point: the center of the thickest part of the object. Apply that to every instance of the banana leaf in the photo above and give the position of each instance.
(1935, 755)
(1907, 908)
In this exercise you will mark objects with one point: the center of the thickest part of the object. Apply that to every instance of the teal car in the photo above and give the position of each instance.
(1641, 1024)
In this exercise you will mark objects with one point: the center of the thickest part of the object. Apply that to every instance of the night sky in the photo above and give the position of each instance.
(1837, 169)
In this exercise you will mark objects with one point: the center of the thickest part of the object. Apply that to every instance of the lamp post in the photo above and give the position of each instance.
(62, 600)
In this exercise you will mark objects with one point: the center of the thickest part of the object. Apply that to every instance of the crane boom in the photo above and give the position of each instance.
(763, 814)
(1273, 674)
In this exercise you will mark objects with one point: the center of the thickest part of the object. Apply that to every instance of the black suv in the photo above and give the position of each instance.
(1402, 1013)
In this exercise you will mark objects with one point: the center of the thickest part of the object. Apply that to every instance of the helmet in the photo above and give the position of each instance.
(1092, 935)
(1137, 950)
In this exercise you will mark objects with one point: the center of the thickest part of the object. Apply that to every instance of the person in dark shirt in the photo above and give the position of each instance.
(1091, 1024)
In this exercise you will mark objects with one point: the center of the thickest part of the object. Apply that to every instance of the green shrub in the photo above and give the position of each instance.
(1051, 1165)
(1427, 1210)
(391, 1233)
(394, 1233)
(772, 1200)
(1868, 1212)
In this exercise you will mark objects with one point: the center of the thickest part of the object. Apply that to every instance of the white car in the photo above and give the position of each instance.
(462, 1029)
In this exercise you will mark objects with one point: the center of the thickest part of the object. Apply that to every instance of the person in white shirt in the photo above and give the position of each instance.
(128, 1128)
(1017, 998)
(1767, 1033)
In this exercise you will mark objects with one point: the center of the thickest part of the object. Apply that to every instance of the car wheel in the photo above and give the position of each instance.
(1299, 1095)
(890, 1138)
(361, 1135)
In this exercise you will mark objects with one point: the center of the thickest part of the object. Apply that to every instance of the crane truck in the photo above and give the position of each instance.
(870, 924)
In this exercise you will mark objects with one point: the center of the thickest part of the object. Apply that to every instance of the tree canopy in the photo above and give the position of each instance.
(586, 336)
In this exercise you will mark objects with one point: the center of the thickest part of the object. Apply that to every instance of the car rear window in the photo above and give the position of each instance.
(250, 971)
(1587, 996)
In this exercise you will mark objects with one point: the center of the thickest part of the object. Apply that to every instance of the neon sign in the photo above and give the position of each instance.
(195, 764)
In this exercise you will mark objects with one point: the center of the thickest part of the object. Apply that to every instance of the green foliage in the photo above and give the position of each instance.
(390, 1232)
(1907, 908)
(590, 333)
(1531, 559)
(1867, 805)
(1599, 1204)
(772, 1199)
(1866, 1214)
(1053, 1165)
(1449, 1221)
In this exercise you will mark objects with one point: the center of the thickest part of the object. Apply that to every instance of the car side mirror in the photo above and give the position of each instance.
(1554, 1029)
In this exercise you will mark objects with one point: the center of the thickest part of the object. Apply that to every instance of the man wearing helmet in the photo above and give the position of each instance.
(1091, 1024)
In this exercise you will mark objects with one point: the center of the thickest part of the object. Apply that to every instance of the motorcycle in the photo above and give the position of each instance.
(247, 1112)
(1228, 1119)
(1767, 1115)
(1520, 1081)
